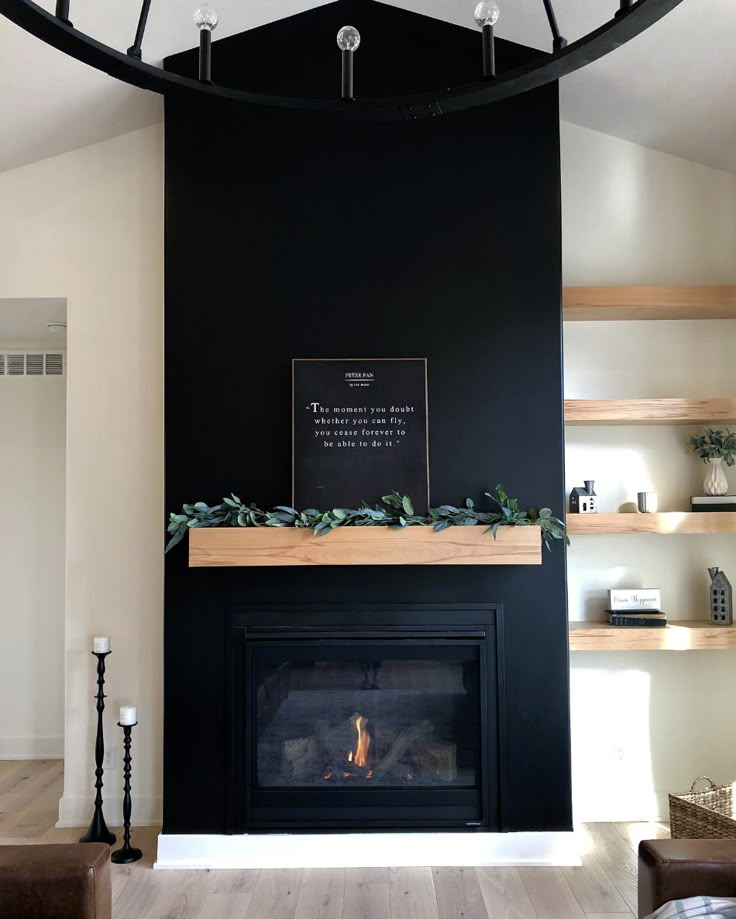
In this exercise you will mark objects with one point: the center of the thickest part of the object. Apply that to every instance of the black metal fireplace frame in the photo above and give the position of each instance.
(433, 625)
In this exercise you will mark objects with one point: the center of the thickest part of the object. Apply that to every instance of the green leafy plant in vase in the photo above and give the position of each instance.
(713, 447)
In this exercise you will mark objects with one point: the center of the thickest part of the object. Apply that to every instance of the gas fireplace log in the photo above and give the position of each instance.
(350, 769)
(302, 758)
(435, 759)
(339, 740)
(405, 740)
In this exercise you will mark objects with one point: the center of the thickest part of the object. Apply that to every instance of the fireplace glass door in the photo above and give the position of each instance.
(366, 731)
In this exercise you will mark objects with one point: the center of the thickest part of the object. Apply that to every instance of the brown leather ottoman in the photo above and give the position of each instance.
(672, 869)
(55, 882)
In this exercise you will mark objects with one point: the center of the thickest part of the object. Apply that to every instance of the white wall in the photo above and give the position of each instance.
(88, 226)
(645, 723)
(631, 215)
(32, 498)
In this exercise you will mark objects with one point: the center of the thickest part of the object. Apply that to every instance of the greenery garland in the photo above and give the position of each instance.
(397, 512)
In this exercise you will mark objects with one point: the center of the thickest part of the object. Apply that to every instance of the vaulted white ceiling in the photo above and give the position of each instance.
(672, 88)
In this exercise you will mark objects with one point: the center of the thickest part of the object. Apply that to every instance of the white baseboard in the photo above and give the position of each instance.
(655, 808)
(366, 850)
(76, 810)
(32, 747)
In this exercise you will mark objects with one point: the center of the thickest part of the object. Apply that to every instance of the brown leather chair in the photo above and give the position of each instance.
(674, 869)
(55, 882)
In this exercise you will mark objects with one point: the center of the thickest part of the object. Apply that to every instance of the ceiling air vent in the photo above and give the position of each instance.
(55, 365)
(32, 363)
(16, 365)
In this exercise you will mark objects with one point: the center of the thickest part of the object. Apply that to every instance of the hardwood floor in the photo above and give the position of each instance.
(603, 888)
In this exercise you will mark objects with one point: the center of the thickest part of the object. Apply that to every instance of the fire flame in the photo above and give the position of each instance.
(364, 742)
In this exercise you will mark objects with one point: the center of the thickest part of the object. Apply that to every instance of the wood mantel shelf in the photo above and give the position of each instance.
(648, 411)
(269, 546)
(679, 635)
(670, 523)
(627, 303)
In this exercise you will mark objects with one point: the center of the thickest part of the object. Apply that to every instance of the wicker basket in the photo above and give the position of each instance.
(703, 814)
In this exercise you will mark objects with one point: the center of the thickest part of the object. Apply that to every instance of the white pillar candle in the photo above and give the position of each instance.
(101, 645)
(128, 714)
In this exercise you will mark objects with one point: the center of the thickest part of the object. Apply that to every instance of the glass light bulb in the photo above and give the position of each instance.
(486, 13)
(206, 18)
(348, 38)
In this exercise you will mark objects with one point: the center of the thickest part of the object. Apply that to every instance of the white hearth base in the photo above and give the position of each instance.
(366, 850)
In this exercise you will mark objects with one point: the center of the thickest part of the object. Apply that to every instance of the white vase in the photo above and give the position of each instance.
(715, 482)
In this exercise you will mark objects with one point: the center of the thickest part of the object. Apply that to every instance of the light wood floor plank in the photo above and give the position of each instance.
(233, 881)
(141, 892)
(37, 783)
(275, 895)
(178, 895)
(366, 894)
(458, 894)
(593, 889)
(321, 894)
(412, 893)
(20, 778)
(617, 859)
(10, 769)
(504, 893)
(633, 833)
(29, 824)
(225, 906)
(626, 915)
(64, 834)
(550, 894)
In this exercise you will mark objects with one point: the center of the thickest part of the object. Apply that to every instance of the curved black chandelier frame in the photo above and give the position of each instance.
(630, 20)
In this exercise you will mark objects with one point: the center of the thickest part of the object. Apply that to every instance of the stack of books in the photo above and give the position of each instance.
(716, 503)
(640, 608)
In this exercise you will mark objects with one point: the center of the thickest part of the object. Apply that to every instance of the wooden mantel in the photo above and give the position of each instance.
(267, 546)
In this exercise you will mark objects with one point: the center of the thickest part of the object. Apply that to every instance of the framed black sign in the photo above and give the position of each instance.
(359, 431)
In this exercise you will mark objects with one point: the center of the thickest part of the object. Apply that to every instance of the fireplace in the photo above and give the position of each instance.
(364, 717)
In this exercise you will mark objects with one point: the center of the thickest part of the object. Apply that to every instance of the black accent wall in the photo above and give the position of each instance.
(292, 238)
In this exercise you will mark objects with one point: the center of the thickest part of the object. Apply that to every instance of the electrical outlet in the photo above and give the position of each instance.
(619, 752)
(109, 760)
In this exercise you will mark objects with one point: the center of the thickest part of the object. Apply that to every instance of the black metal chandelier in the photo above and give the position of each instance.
(630, 19)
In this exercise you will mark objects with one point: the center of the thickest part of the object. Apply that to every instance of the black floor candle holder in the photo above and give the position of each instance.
(126, 854)
(98, 831)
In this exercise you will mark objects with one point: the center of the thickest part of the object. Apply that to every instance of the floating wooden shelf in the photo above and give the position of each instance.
(673, 523)
(267, 546)
(622, 303)
(649, 411)
(685, 635)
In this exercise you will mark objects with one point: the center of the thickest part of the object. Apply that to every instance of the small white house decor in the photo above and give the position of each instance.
(583, 500)
(721, 598)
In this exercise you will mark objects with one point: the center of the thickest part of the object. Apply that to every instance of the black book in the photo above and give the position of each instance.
(713, 503)
(637, 614)
(636, 622)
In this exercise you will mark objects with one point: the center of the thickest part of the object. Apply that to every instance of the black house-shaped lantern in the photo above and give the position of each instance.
(721, 598)
(584, 500)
